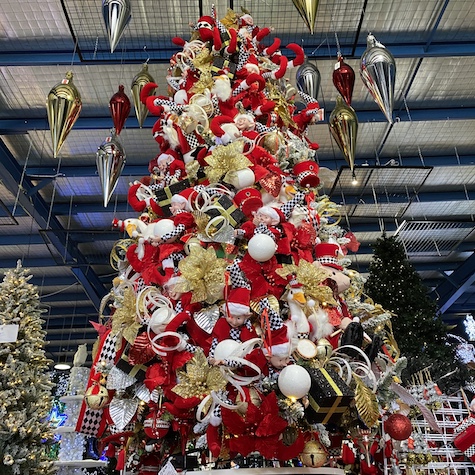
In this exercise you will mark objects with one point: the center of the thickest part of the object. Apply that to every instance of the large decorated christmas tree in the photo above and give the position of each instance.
(237, 330)
(422, 335)
(25, 386)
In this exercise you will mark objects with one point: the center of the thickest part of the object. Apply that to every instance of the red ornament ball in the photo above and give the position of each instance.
(398, 426)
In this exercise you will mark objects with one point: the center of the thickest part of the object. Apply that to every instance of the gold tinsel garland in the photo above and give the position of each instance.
(202, 274)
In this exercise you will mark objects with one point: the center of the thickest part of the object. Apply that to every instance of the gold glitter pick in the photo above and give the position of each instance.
(281, 105)
(201, 221)
(203, 62)
(198, 378)
(225, 159)
(311, 277)
(124, 317)
(192, 168)
(230, 20)
(202, 274)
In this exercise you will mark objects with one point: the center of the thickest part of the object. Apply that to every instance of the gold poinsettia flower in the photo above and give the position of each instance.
(198, 378)
(124, 319)
(311, 277)
(225, 160)
(202, 274)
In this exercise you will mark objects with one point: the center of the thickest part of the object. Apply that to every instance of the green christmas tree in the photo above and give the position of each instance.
(25, 387)
(418, 328)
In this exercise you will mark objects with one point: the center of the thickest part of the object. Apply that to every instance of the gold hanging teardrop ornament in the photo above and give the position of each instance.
(139, 81)
(343, 125)
(63, 105)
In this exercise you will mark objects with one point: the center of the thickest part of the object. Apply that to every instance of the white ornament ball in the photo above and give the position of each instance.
(261, 247)
(242, 178)
(163, 226)
(225, 348)
(294, 381)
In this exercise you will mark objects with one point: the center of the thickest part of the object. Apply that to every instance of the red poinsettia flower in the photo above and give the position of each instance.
(260, 429)
(163, 373)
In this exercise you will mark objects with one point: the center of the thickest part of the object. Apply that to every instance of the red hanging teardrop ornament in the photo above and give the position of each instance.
(120, 109)
(344, 79)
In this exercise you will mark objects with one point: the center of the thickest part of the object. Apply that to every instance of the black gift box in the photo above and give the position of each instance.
(136, 371)
(329, 396)
(223, 64)
(164, 196)
(224, 206)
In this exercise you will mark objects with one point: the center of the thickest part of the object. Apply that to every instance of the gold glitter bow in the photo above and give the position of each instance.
(124, 317)
(198, 378)
(311, 278)
(226, 159)
(202, 273)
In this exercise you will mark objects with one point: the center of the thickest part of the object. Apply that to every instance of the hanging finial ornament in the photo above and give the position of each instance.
(139, 81)
(344, 79)
(344, 129)
(308, 79)
(117, 14)
(110, 161)
(119, 106)
(378, 72)
(63, 105)
(308, 11)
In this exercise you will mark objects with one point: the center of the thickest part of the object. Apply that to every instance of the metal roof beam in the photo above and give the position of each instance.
(447, 293)
(418, 266)
(401, 197)
(86, 311)
(23, 125)
(139, 170)
(46, 56)
(11, 175)
(64, 209)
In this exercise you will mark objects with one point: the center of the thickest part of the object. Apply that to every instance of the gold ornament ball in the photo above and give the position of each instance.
(272, 141)
(314, 454)
(324, 349)
(97, 397)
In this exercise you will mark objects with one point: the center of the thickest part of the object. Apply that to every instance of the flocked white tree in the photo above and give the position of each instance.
(25, 386)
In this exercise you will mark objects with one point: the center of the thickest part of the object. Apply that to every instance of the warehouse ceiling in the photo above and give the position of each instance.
(416, 177)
